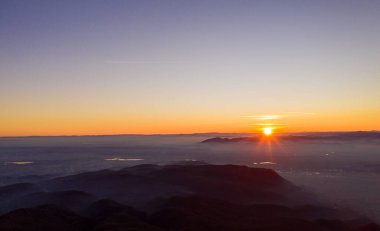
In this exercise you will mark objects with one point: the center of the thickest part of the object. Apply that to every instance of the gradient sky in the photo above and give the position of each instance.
(175, 66)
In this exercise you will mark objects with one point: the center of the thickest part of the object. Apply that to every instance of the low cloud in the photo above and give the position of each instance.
(279, 116)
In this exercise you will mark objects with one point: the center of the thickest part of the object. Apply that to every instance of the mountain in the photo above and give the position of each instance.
(172, 197)
(323, 136)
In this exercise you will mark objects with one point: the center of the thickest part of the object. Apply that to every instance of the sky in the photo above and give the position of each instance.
(80, 67)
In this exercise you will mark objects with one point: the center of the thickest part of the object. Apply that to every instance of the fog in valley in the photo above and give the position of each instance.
(341, 174)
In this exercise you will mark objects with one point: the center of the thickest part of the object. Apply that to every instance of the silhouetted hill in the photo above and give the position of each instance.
(326, 136)
(174, 197)
(72, 199)
(103, 208)
(199, 213)
(43, 218)
(141, 184)
(194, 213)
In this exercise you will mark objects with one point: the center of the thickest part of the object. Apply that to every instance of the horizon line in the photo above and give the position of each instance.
(175, 134)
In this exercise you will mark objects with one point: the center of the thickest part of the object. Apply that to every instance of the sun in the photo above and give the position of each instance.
(268, 131)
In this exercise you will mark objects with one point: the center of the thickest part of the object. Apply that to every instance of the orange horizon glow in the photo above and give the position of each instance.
(101, 123)
(114, 130)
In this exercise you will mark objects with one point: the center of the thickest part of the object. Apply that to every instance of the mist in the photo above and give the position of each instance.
(341, 174)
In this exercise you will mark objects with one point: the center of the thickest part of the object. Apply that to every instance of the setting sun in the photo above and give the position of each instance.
(268, 131)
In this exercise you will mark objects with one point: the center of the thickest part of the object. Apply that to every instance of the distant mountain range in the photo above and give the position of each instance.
(323, 136)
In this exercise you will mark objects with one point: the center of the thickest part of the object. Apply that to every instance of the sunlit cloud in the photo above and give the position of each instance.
(271, 121)
(265, 117)
(269, 124)
(279, 116)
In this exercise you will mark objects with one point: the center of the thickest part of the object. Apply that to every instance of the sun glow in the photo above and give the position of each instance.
(268, 131)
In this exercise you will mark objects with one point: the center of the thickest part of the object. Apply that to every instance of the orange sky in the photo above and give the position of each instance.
(99, 124)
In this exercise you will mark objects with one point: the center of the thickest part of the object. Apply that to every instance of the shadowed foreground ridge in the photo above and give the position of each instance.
(174, 197)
